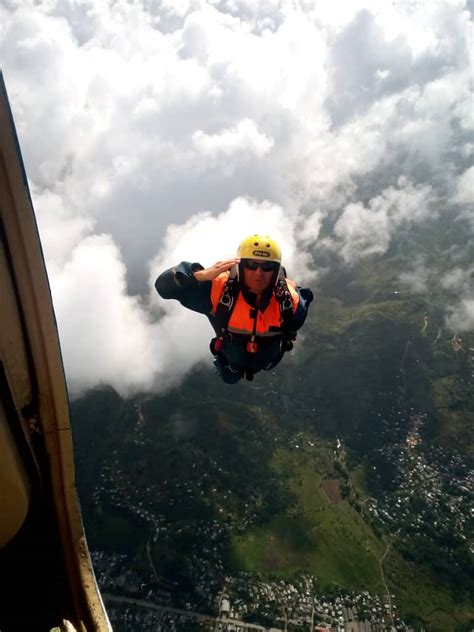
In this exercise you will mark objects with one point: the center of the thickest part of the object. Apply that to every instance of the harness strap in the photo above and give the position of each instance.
(227, 304)
(224, 309)
(285, 299)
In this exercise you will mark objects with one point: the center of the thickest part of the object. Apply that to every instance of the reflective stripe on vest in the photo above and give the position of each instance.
(241, 322)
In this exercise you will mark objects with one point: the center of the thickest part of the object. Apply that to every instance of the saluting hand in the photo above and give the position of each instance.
(209, 274)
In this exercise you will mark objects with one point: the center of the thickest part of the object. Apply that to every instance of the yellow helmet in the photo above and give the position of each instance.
(259, 247)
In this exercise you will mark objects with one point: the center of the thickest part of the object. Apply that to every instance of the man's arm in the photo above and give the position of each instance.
(306, 298)
(191, 284)
(180, 283)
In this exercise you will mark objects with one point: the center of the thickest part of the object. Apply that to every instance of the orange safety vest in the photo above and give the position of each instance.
(241, 320)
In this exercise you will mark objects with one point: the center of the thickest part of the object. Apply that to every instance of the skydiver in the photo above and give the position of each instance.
(253, 308)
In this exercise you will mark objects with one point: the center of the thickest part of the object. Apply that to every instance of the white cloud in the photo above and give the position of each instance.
(62, 228)
(465, 187)
(419, 278)
(221, 118)
(365, 231)
(108, 336)
(102, 329)
(206, 238)
(461, 316)
(460, 281)
(242, 138)
(464, 195)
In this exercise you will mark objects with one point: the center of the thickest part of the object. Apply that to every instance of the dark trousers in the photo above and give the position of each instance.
(225, 372)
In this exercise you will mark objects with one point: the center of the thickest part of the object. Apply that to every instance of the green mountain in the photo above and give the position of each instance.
(347, 467)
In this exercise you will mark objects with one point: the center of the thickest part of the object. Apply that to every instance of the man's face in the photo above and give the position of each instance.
(257, 274)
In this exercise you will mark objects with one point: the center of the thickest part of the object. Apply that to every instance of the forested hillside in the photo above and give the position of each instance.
(349, 463)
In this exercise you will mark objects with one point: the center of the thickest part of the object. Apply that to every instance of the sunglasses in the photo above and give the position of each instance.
(266, 266)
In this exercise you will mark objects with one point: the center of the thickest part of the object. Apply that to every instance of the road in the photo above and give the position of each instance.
(402, 371)
(389, 596)
(205, 618)
(150, 559)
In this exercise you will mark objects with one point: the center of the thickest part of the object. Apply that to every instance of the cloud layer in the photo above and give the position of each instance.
(154, 132)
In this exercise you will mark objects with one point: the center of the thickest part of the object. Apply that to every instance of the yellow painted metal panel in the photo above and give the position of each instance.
(14, 484)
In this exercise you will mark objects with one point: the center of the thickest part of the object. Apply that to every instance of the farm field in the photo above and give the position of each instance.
(320, 533)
